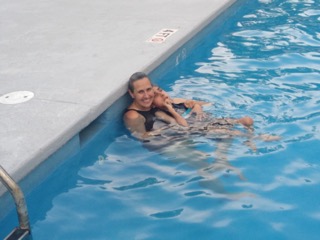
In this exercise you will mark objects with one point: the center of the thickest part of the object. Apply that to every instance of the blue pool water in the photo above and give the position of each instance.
(264, 62)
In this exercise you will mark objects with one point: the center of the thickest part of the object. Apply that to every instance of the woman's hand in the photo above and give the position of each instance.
(168, 105)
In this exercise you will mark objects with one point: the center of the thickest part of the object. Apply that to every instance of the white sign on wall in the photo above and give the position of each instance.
(162, 35)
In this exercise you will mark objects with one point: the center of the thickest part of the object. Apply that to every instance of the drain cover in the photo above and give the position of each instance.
(16, 97)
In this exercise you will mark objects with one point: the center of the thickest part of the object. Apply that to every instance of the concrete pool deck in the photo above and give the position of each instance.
(76, 57)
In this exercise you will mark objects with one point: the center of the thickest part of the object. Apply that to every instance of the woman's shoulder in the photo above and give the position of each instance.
(130, 113)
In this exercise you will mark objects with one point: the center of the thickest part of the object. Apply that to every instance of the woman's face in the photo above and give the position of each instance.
(143, 93)
(161, 92)
(159, 100)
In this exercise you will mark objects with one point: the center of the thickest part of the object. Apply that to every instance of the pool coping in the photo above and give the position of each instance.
(76, 59)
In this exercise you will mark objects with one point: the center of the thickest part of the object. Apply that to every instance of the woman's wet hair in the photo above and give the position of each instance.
(135, 77)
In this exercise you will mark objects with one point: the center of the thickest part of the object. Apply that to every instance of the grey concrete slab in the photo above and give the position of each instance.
(76, 56)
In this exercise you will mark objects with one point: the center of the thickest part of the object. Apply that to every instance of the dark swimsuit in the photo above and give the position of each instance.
(150, 117)
(182, 109)
(179, 106)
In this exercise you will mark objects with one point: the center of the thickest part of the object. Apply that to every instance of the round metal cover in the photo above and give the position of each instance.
(16, 97)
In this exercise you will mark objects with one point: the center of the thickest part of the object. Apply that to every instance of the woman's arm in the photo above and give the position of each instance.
(189, 102)
(176, 117)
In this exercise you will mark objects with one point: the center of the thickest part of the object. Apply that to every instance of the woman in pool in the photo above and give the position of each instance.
(189, 107)
(212, 127)
(139, 117)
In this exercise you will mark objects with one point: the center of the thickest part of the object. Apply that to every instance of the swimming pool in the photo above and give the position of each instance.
(265, 63)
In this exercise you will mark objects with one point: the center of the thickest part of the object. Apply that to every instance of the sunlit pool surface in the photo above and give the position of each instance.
(265, 64)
